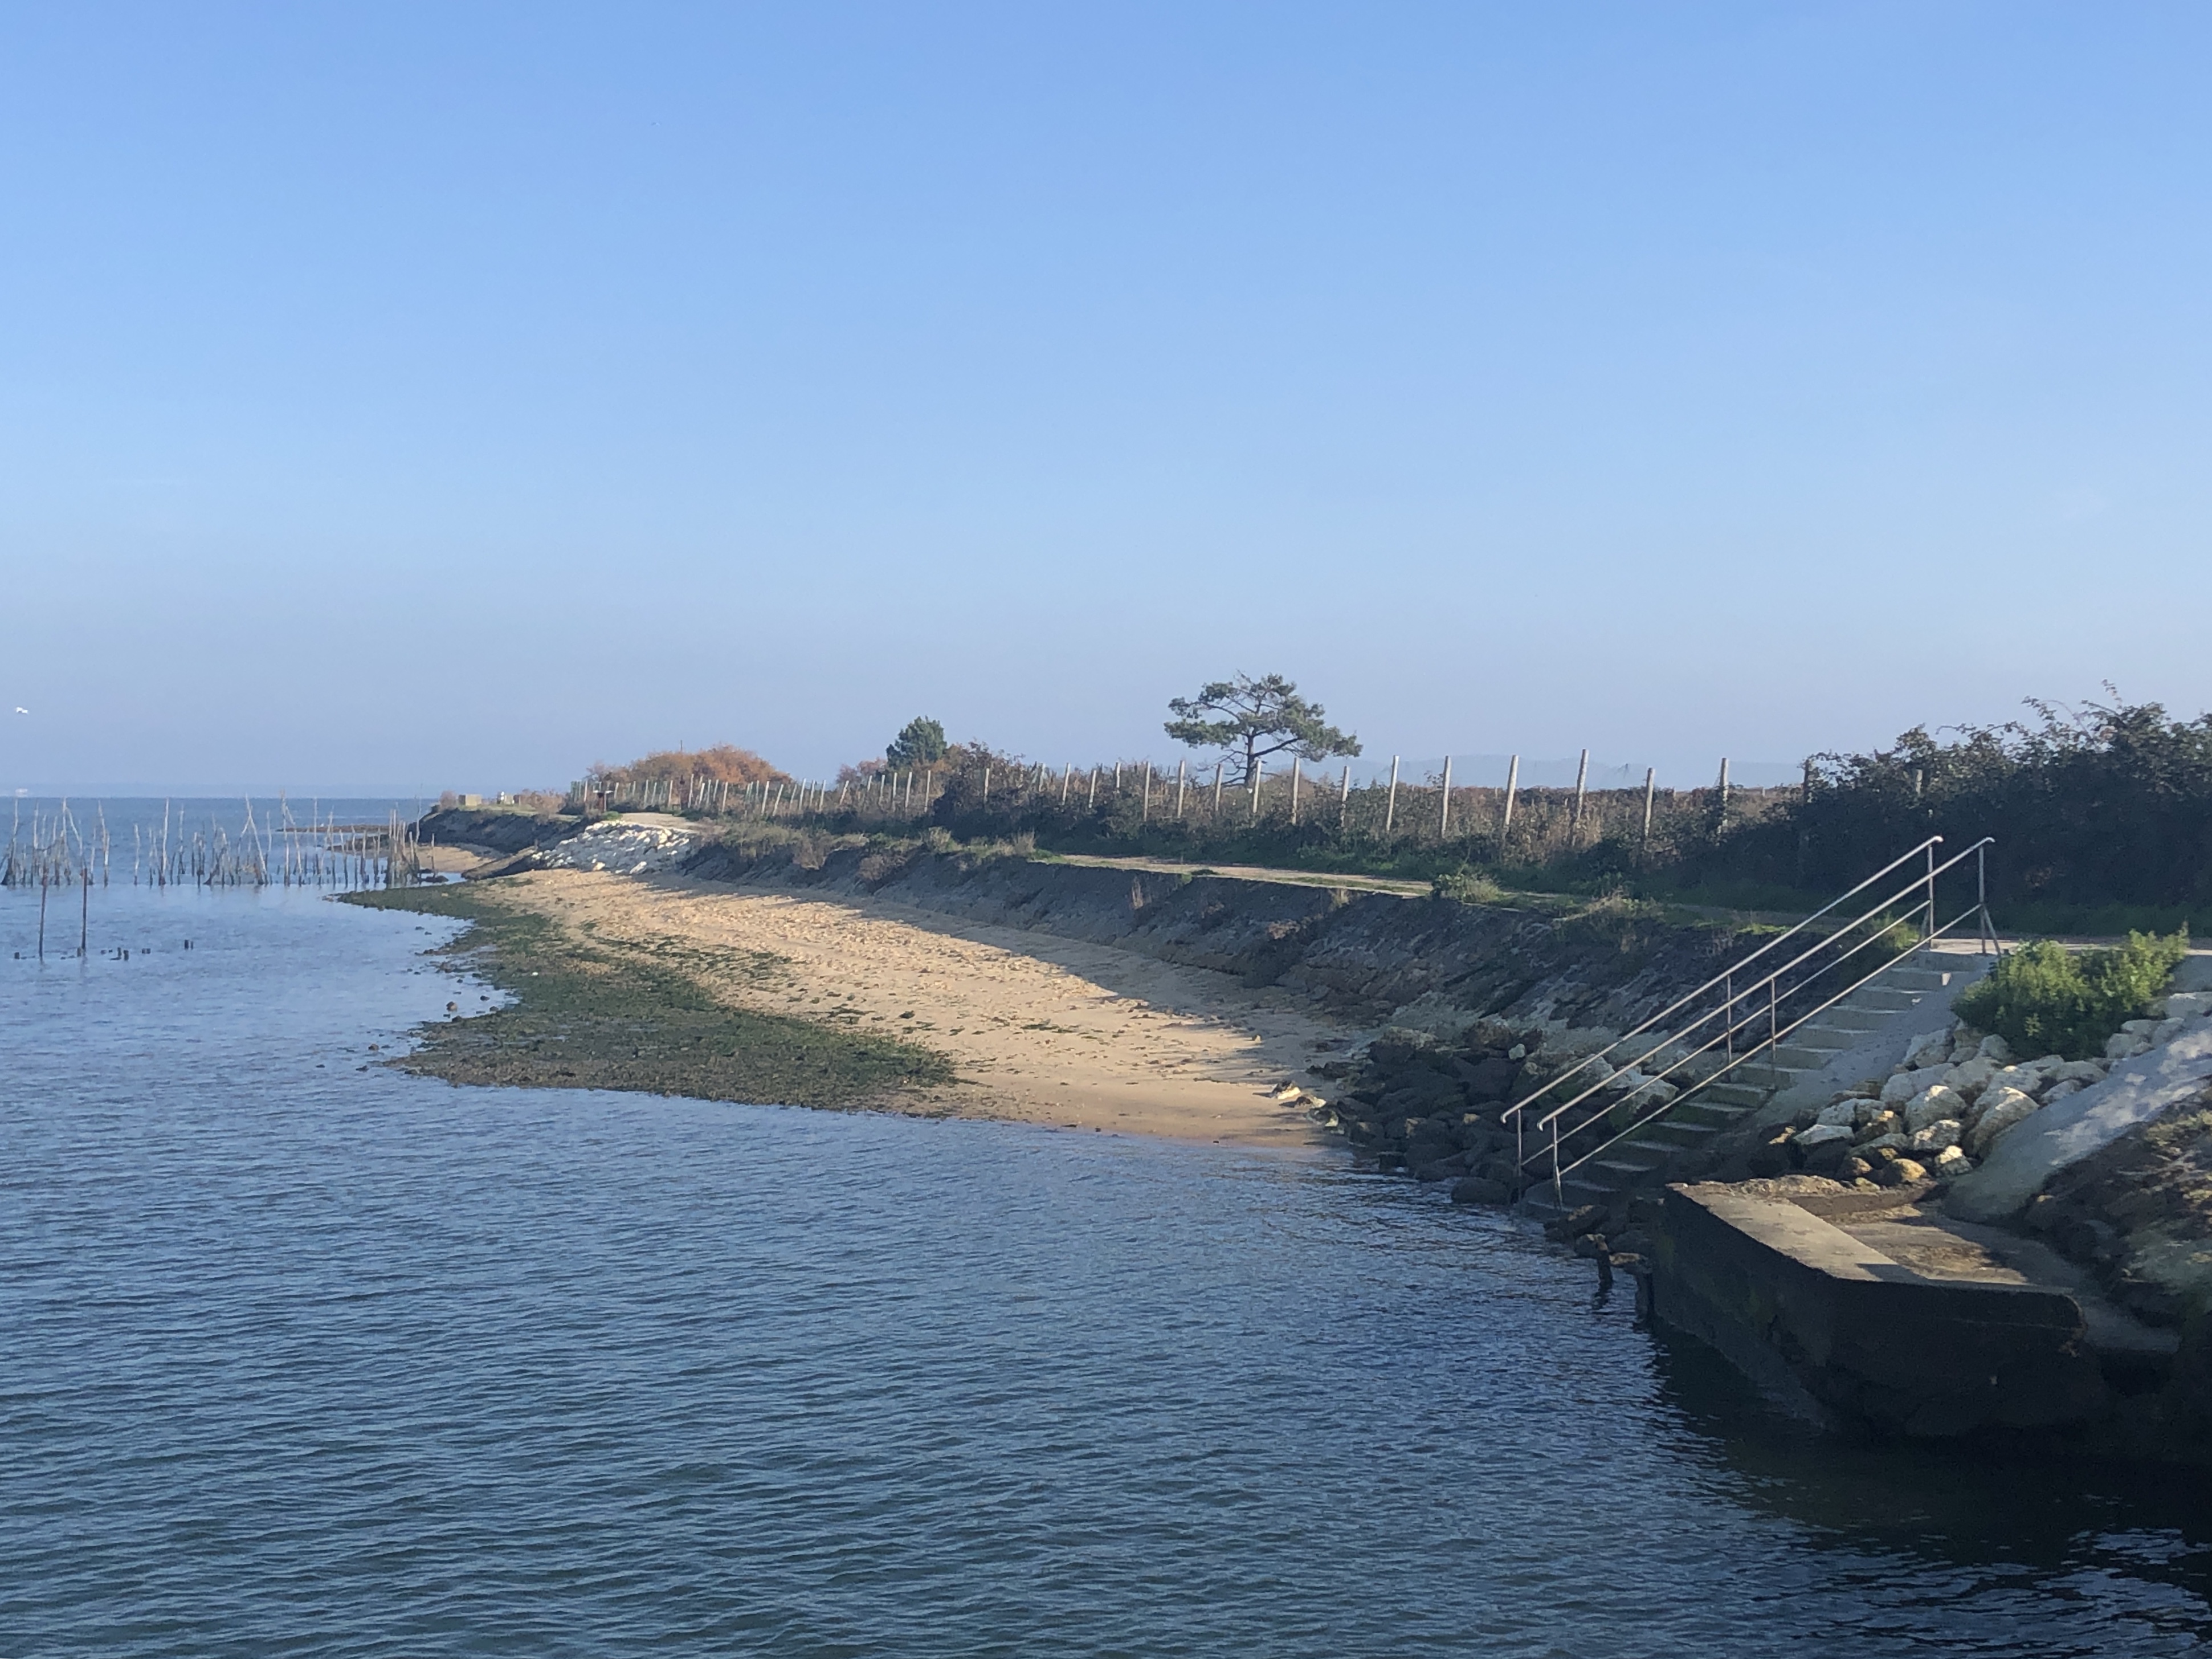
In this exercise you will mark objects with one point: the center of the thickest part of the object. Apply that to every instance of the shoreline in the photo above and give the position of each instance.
(671, 985)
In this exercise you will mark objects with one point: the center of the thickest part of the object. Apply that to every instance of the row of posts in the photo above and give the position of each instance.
(912, 791)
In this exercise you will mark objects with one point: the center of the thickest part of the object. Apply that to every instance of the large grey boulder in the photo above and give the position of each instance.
(1903, 1085)
(2001, 1110)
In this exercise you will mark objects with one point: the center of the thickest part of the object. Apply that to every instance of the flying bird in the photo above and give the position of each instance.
(21, 709)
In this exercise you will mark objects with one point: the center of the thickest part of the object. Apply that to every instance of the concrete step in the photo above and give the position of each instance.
(1797, 1057)
(1853, 1023)
(1732, 1094)
(1645, 1157)
(1719, 1114)
(1819, 1040)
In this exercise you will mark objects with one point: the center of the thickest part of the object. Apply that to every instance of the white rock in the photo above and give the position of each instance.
(1932, 1049)
(1821, 1135)
(1968, 1079)
(1951, 1161)
(2001, 1111)
(2025, 1079)
(1934, 1137)
(1843, 1115)
(1994, 1046)
(1902, 1086)
(1885, 1124)
(1930, 1105)
(1869, 1111)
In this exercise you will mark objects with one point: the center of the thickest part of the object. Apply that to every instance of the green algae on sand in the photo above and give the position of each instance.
(588, 1015)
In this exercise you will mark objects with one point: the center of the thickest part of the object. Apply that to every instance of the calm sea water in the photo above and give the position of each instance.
(300, 1357)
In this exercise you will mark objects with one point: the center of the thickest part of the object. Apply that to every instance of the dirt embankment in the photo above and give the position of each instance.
(1362, 957)
(497, 831)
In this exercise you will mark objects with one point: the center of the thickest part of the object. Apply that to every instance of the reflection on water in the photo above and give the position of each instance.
(307, 1357)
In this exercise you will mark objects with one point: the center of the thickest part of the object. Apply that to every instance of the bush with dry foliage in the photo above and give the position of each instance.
(723, 763)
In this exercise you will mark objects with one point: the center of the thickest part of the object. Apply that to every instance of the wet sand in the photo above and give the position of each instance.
(1039, 1028)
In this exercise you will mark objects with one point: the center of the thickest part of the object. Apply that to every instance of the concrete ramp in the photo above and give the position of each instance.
(1842, 1329)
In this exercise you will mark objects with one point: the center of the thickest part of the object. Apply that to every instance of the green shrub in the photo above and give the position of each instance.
(2046, 999)
(1467, 886)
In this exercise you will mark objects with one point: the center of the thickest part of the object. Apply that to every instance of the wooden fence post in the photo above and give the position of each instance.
(1443, 817)
(1581, 784)
(1512, 785)
(1390, 807)
(1650, 788)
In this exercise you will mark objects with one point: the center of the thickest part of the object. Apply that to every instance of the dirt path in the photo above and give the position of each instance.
(1254, 872)
(1040, 1029)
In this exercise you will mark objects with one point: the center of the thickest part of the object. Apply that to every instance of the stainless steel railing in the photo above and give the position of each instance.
(1743, 1013)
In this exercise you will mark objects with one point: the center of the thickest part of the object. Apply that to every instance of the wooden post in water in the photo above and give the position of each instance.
(1444, 816)
(1390, 807)
(1512, 784)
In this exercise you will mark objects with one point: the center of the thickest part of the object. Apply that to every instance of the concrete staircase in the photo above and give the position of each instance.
(1670, 1147)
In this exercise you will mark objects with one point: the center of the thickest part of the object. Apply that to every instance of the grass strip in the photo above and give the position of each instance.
(588, 1016)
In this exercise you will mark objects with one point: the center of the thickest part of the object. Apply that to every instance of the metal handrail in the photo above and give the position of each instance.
(1768, 985)
(1561, 1171)
(1726, 974)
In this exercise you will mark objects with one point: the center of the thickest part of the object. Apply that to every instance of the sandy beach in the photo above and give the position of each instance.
(1040, 1030)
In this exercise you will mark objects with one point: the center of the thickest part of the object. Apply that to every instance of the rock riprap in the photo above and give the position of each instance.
(1953, 1096)
(626, 849)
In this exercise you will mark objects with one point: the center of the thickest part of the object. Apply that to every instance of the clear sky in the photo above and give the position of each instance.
(415, 396)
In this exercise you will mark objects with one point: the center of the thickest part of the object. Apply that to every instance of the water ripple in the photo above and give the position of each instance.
(335, 1361)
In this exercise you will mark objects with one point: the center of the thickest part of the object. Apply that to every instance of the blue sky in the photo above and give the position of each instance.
(407, 397)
